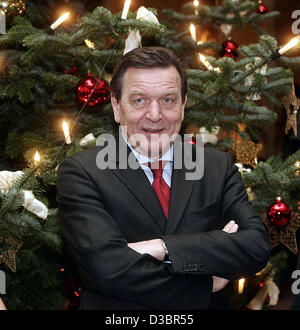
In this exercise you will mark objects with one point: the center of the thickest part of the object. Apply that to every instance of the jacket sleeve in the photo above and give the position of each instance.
(228, 255)
(105, 262)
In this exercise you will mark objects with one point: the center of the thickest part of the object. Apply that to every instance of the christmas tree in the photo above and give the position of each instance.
(55, 73)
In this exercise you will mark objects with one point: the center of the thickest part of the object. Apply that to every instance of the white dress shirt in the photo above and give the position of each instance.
(144, 160)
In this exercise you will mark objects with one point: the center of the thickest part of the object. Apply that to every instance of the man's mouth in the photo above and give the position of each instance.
(153, 130)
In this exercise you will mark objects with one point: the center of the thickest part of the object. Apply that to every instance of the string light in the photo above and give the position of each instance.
(59, 21)
(289, 45)
(126, 9)
(193, 32)
(65, 127)
(208, 66)
(36, 158)
(89, 43)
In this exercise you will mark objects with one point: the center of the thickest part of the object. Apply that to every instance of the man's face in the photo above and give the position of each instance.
(150, 110)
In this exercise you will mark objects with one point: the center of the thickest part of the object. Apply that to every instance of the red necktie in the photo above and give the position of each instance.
(161, 188)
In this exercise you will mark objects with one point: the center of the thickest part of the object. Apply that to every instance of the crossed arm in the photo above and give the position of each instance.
(155, 248)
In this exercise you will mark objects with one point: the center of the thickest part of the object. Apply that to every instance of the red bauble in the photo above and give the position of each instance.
(229, 49)
(92, 91)
(279, 213)
(262, 9)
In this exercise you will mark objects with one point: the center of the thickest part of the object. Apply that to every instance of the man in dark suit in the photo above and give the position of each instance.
(146, 235)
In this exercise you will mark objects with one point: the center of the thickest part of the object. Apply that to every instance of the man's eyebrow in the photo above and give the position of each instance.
(136, 93)
(133, 93)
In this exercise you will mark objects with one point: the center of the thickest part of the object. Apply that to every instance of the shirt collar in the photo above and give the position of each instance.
(143, 160)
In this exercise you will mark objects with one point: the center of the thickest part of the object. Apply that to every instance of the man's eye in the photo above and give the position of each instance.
(168, 100)
(139, 101)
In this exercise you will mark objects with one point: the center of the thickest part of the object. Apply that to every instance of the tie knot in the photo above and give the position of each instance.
(156, 168)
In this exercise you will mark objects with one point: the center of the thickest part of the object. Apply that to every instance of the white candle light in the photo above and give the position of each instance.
(126, 9)
(193, 32)
(89, 43)
(241, 285)
(60, 20)
(208, 66)
(36, 158)
(65, 127)
(289, 45)
(205, 62)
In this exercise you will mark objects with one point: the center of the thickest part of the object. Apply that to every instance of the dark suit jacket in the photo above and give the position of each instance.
(101, 211)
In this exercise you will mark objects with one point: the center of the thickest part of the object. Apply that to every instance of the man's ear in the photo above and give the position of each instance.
(116, 108)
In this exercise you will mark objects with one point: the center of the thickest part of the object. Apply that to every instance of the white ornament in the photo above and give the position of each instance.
(134, 38)
(147, 15)
(250, 79)
(133, 41)
(7, 180)
(226, 28)
(33, 205)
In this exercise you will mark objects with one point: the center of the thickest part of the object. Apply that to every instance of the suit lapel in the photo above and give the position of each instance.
(181, 190)
(138, 184)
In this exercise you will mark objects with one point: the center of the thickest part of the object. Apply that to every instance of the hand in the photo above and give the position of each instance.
(153, 247)
(218, 282)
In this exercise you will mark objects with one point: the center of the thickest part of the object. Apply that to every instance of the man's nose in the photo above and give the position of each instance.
(154, 111)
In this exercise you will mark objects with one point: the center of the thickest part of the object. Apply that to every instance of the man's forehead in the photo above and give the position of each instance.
(152, 75)
(136, 79)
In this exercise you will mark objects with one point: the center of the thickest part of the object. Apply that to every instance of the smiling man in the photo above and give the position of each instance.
(146, 237)
(150, 109)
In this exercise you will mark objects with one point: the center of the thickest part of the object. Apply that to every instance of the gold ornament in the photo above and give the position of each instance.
(8, 250)
(286, 235)
(246, 152)
(13, 7)
(291, 104)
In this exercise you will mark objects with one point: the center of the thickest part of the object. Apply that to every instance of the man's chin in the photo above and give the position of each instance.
(153, 153)
(153, 146)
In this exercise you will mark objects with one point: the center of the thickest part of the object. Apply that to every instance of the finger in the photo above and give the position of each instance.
(228, 225)
(233, 228)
